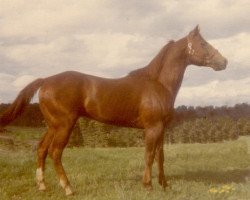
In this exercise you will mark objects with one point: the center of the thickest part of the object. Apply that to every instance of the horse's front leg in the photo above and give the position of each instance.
(153, 135)
(160, 162)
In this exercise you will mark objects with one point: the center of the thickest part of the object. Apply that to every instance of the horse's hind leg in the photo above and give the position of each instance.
(61, 138)
(42, 152)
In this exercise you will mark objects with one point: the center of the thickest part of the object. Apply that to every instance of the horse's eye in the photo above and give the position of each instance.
(203, 44)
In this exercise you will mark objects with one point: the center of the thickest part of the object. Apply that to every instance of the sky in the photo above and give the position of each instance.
(109, 38)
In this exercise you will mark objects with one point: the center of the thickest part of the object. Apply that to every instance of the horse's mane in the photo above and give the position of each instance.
(152, 70)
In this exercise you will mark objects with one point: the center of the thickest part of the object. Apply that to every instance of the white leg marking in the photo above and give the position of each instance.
(67, 188)
(41, 186)
(68, 191)
(62, 183)
(39, 175)
(39, 179)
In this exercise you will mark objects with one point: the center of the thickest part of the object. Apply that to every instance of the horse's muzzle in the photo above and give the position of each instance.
(220, 65)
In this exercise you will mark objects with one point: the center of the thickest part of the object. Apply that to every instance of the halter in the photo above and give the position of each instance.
(207, 59)
(190, 49)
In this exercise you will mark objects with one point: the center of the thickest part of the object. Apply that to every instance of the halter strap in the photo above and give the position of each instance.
(190, 49)
(207, 57)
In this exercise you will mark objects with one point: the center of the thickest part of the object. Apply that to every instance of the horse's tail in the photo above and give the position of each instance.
(20, 103)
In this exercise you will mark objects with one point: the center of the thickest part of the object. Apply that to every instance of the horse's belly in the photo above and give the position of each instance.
(121, 115)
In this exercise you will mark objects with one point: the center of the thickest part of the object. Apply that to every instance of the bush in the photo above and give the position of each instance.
(97, 134)
(205, 130)
(201, 130)
(76, 138)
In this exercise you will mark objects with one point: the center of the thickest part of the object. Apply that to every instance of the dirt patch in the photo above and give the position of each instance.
(6, 140)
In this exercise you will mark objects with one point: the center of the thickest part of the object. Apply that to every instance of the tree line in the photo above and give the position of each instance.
(33, 117)
(190, 124)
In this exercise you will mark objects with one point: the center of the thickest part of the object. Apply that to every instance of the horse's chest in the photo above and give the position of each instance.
(155, 105)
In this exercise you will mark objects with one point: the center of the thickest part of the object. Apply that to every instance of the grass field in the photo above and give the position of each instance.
(194, 171)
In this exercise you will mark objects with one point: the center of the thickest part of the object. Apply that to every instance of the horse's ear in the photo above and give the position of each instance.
(195, 31)
(197, 28)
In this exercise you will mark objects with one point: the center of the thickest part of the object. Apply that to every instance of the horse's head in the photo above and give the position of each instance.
(201, 53)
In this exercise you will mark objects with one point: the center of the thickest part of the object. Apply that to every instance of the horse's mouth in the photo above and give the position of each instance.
(219, 68)
(218, 65)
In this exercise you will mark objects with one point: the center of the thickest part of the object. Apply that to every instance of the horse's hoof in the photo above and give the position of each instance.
(41, 187)
(148, 186)
(68, 191)
(162, 181)
(164, 184)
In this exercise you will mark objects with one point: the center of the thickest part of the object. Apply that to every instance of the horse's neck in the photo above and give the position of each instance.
(153, 69)
(171, 78)
(173, 68)
(167, 67)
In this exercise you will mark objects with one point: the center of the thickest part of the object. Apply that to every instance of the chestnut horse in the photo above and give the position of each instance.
(142, 99)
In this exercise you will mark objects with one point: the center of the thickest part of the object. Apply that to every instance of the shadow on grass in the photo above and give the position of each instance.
(223, 177)
(220, 177)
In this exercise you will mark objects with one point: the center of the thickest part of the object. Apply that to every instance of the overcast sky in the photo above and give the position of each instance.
(110, 38)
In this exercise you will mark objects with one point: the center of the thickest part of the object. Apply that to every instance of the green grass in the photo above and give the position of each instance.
(26, 133)
(194, 171)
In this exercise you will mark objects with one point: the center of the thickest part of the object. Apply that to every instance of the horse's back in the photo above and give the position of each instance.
(114, 101)
(103, 99)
